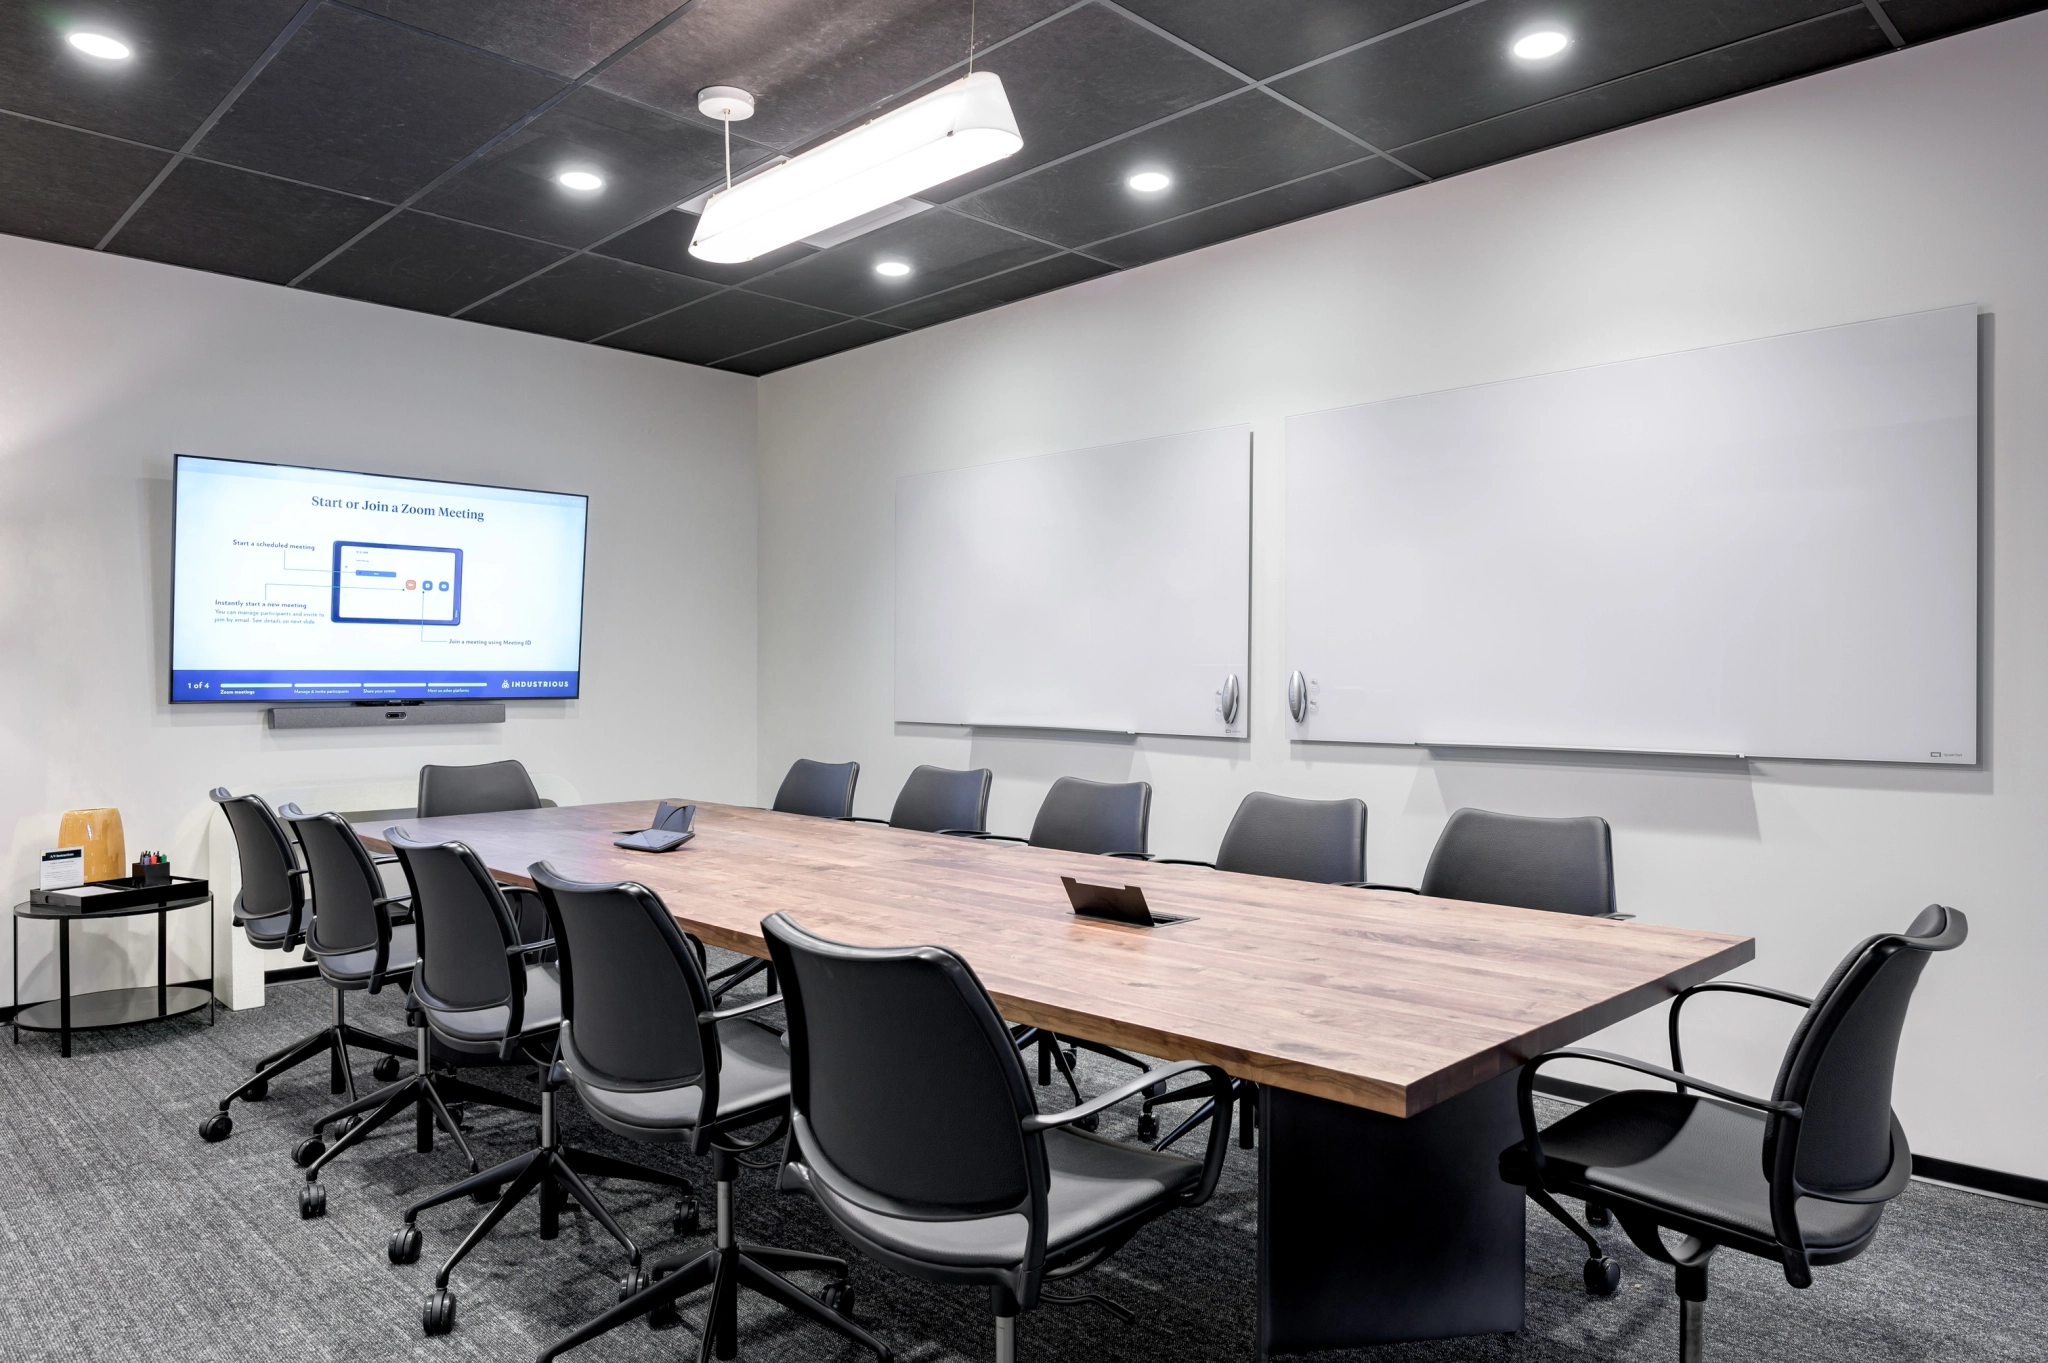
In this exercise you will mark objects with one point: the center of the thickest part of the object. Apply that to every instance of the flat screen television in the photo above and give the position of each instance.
(304, 584)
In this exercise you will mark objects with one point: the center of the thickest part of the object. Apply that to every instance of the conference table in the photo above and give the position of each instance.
(1385, 1030)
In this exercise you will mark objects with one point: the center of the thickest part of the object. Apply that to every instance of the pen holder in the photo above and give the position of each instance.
(152, 873)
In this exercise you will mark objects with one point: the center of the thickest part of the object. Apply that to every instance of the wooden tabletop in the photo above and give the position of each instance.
(1382, 1000)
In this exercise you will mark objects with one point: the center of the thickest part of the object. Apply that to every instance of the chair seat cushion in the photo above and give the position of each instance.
(753, 1073)
(269, 932)
(1698, 1156)
(354, 967)
(484, 1028)
(1097, 1184)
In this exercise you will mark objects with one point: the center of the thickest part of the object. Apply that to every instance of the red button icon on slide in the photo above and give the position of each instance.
(411, 583)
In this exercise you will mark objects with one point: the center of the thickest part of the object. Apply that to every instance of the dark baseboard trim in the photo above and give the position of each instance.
(1998, 1183)
(290, 973)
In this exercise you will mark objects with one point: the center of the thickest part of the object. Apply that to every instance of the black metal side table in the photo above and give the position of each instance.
(103, 1008)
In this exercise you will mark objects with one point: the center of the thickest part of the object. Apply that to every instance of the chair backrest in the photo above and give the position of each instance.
(1563, 865)
(936, 798)
(1839, 1064)
(1094, 816)
(904, 1082)
(347, 916)
(465, 929)
(1275, 835)
(272, 881)
(633, 993)
(486, 788)
(821, 789)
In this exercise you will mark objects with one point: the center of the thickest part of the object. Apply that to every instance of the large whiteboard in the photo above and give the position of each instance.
(1763, 549)
(1105, 588)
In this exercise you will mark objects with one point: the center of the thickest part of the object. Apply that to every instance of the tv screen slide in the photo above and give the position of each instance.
(297, 584)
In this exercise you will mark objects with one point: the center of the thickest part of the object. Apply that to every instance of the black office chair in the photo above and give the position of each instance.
(917, 1131)
(653, 1061)
(485, 994)
(487, 788)
(271, 911)
(823, 790)
(1288, 839)
(1801, 1177)
(1557, 865)
(940, 800)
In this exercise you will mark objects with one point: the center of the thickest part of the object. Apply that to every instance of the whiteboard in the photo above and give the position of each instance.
(1760, 549)
(1105, 588)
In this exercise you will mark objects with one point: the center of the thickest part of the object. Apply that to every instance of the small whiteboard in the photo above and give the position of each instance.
(1106, 589)
(1762, 549)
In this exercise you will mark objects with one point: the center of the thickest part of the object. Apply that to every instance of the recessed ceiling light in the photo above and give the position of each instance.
(1534, 47)
(100, 45)
(1149, 181)
(891, 269)
(580, 180)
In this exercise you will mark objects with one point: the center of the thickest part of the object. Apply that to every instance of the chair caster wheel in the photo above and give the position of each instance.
(1148, 1127)
(1090, 1122)
(216, 1127)
(386, 1069)
(312, 1202)
(256, 1092)
(636, 1279)
(838, 1297)
(437, 1316)
(344, 1126)
(686, 1221)
(664, 1317)
(1603, 1276)
(308, 1150)
(455, 1111)
(1597, 1215)
(405, 1245)
(486, 1196)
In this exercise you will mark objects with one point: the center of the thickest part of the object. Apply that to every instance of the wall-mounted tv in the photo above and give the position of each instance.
(303, 584)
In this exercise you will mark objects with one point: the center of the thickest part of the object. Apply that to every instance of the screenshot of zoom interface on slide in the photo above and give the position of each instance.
(313, 584)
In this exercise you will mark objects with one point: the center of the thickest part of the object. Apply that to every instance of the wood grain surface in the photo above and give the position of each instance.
(1382, 1000)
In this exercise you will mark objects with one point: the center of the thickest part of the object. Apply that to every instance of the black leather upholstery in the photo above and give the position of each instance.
(1562, 865)
(486, 788)
(823, 790)
(478, 994)
(1276, 835)
(1094, 816)
(272, 902)
(352, 935)
(937, 798)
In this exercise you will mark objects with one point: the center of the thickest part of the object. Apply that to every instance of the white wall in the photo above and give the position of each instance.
(109, 366)
(1914, 181)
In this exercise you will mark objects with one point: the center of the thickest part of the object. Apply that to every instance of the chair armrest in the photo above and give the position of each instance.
(522, 948)
(741, 1010)
(862, 818)
(992, 837)
(1044, 1121)
(1130, 856)
(1375, 885)
(383, 858)
(1180, 861)
(961, 832)
(1723, 987)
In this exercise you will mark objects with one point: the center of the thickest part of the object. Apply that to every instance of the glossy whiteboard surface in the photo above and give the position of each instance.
(1105, 588)
(1762, 549)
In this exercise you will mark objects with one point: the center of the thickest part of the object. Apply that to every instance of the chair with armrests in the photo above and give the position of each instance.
(1288, 839)
(940, 800)
(652, 1060)
(1801, 1177)
(487, 996)
(823, 790)
(487, 788)
(272, 912)
(915, 1128)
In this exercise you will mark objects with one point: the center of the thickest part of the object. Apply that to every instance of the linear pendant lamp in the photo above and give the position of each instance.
(962, 127)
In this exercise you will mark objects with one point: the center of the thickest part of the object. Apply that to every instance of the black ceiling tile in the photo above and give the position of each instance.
(942, 249)
(1085, 77)
(803, 349)
(59, 184)
(728, 324)
(664, 243)
(430, 264)
(567, 37)
(586, 296)
(233, 222)
(810, 64)
(1458, 70)
(1255, 213)
(1039, 277)
(1919, 20)
(1244, 143)
(1711, 75)
(360, 105)
(187, 56)
(1271, 36)
(648, 161)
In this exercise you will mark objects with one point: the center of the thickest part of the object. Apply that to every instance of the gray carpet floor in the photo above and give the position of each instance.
(125, 1237)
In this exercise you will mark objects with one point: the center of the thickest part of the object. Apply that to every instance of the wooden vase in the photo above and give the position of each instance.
(98, 831)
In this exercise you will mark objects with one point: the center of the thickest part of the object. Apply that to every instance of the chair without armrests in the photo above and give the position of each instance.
(485, 788)
(823, 790)
(1801, 1177)
(941, 800)
(916, 1130)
